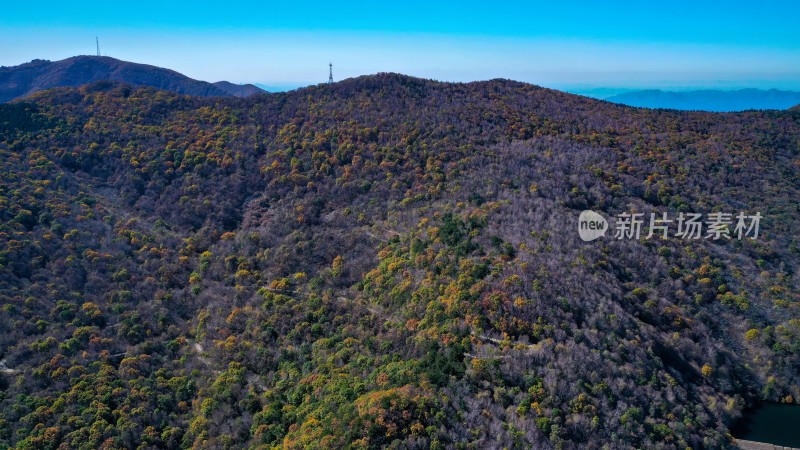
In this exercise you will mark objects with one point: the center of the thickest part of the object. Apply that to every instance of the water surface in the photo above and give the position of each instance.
(774, 423)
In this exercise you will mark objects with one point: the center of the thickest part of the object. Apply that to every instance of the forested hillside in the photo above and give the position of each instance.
(387, 262)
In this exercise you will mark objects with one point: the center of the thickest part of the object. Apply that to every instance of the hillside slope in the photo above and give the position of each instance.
(37, 75)
(387, 262)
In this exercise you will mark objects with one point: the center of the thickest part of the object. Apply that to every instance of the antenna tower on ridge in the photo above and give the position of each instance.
(97, 40)
(330, 73)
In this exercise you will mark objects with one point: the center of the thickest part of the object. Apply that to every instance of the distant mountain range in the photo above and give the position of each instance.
(710, 100)
(25, 79)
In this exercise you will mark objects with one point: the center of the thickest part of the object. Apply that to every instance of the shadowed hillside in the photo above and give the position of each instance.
(387, 262)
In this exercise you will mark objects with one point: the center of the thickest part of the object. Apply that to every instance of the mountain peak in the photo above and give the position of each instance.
(25, 79)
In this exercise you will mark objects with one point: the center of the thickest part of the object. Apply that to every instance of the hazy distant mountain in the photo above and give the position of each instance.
(239, 90)
(600, 93)
(283, 87)
(709, 100)
(25, 79)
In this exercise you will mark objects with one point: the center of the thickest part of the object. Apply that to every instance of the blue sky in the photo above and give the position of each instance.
(579, 46)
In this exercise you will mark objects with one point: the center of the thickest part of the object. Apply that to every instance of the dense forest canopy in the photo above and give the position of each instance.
(387, 262)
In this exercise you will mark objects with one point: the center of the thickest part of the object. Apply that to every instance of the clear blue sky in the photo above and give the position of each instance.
(571, 45)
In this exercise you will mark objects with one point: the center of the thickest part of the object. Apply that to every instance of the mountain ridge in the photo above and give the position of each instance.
(25, 79)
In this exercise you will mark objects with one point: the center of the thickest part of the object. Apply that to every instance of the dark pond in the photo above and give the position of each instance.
(774, 423)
